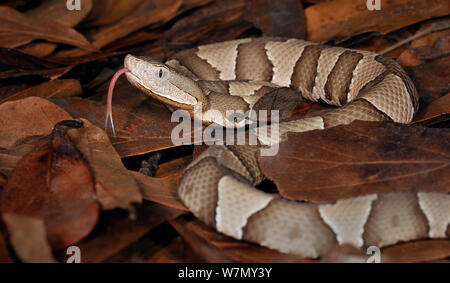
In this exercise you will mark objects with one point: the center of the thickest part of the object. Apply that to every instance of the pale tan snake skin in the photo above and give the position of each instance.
(243, 74)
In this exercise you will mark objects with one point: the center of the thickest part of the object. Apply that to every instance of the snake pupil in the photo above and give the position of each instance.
(160, 74)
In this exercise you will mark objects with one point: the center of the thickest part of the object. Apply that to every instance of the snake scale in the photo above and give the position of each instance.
(275, 73)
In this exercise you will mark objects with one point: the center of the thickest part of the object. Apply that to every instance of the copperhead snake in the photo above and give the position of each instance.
(263, 73)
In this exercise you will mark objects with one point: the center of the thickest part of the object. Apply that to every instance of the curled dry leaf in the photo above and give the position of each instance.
(28, 238)
(53, 183)
(360, 158)
(14, 23)
(57, 88)
(340, 20)
(28, 117)
(115, 186)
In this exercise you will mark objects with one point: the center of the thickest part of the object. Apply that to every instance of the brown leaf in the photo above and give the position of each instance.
(57, 11)
(216, 247)
(436, 111)
(5, 257)
(28, 117)
(57, 88)
(149, 12)
(418, 251)
(28, 238)
(222, 20)
(10, 157)
(38, 49)
(14, 23)
(107, 12)
(277, 17)
(173, 169)
(122, 232)
(160, 191)
(114, 184)
(431, 79)
(340, 20)
(420, 55)
(360, 158)
(54, 183)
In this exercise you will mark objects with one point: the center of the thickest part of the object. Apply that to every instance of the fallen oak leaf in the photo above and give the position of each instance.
(115, 187)
(54, 184)
(360, 158)
(28, 117)
(28, 238)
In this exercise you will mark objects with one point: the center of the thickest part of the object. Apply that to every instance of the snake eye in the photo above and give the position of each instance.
(160, 73)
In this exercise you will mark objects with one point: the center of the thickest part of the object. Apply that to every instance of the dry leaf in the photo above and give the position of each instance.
(122, 232)
(107, 12)
(5, 257)
(173, 169)
(28, 117)
(160, 191)
(57, 11)
(417, 251)
(54, 183)
(114, 184)
(342, 19)
(436, 111)
(28, 238)
(277, 17)
(14, 23)
(360, 158)
(57, 88)
(222, 20)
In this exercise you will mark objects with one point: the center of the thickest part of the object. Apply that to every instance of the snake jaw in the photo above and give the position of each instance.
(159, 81)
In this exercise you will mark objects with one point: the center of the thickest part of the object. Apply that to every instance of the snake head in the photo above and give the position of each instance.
(163, 82)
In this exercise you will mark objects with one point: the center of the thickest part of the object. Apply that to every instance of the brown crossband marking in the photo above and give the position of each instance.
(340, 77)
(197, 65)
(305, 70)
(252, 62)
(396, 69)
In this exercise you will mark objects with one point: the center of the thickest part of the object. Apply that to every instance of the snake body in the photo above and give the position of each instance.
(275, 73)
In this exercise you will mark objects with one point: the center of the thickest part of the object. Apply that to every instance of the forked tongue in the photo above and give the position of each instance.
(112, 84)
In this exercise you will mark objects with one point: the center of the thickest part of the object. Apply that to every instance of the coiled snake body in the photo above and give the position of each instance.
(250, 74)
